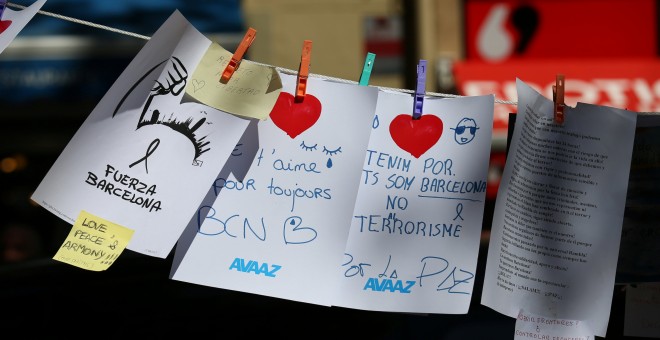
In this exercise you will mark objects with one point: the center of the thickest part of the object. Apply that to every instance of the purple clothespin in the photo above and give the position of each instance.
(3, 4)
(420, 90)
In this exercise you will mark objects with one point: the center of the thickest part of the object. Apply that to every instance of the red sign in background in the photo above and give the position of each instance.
(606, 49)
(625, 83)
(497, 31)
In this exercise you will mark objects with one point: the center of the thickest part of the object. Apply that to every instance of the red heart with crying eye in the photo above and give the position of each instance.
(416, 135)
(4, 24)
(294, 117)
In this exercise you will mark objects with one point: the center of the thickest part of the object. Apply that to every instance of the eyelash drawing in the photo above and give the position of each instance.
(308, 148)
(331, 152)
(185, 124)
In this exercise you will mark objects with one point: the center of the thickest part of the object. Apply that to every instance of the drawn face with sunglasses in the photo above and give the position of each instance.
(465, 130)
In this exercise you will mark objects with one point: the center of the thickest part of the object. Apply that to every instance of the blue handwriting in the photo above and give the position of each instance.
(450, 281)
(354, 269)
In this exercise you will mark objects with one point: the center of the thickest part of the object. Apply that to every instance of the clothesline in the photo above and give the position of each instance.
(281, 69)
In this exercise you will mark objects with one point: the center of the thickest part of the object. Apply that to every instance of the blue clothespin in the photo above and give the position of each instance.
(420, 90)
(366, 70)
(3, 4)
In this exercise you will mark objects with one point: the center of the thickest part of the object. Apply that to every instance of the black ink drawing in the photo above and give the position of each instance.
(172, 83)
(151, 149)
(328, 151)
(468, 125)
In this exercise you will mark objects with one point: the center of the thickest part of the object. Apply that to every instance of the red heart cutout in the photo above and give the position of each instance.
(294, 118)
(416, 135)
(4, 24)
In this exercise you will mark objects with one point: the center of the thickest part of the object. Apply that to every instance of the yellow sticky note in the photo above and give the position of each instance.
(250, 92)
(93, 243)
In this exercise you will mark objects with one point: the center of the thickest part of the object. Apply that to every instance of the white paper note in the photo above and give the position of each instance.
(277, 224)
(416, 227)
(558, 213)
(142, 159)
(530, 326)
(13, 22)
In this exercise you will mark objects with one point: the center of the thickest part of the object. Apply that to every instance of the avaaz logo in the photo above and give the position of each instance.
(254, 267)
(389, 285)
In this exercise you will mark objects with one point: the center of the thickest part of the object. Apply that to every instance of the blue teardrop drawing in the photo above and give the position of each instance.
(376, 122)
(329, 164)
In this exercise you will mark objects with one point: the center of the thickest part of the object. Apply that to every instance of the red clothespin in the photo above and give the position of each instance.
(558, 98)
(303, 71)
(238, 55)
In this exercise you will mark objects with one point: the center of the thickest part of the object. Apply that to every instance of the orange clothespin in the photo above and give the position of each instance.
(238, 55)
(303, 71)
(558, 98)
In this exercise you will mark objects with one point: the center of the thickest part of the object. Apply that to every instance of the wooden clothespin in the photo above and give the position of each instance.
(420, 90)
(366, 70)
(558, 98)
(238, 55)
(303, 71)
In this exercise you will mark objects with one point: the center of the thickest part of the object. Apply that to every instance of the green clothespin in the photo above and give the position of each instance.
(366, 70)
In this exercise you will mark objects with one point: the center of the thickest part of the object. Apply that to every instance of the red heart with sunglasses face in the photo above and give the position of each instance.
(294, 118)
(4, 24)
(416, 135)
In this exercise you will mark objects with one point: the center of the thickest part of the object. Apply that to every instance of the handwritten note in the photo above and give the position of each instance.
(559, 211)
(416, 226)
(276, 219)
(13, 22)
(250, 92)
(142, 158)
(530, 326)
(93, 243)
(642, 310)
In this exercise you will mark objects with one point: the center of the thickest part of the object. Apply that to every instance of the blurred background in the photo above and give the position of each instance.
(56, 71)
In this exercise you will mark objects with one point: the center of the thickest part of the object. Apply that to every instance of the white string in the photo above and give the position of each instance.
(83, 22)
(281, 69)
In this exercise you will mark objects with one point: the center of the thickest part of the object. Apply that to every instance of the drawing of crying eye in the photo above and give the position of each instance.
(307, 148)
(331, 152)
